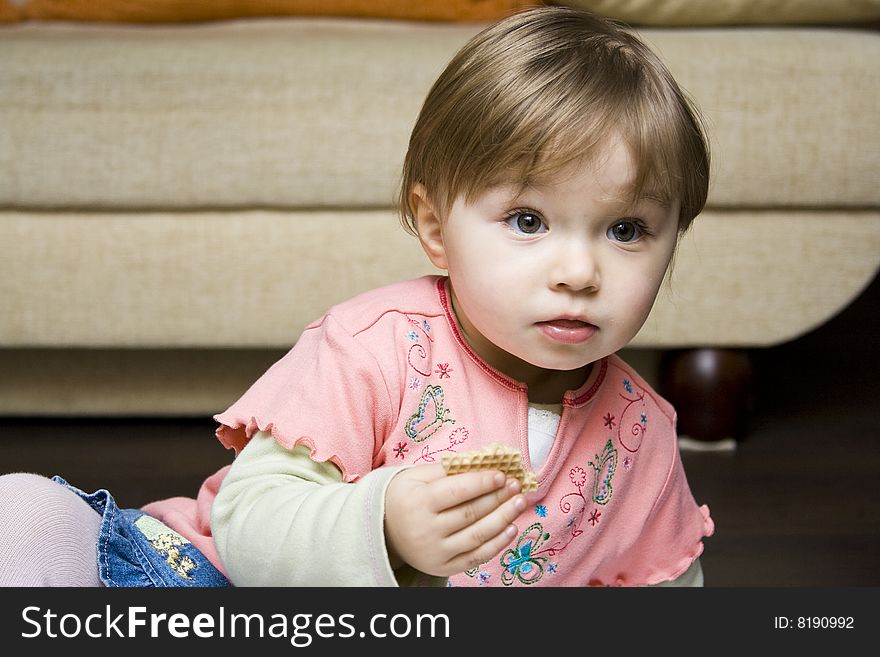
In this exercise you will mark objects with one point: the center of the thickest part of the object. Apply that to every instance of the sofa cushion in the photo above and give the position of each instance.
(255, 279)
(317, 112)
(733, 12)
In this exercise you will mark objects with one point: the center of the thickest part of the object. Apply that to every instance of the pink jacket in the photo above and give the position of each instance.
(387, 379)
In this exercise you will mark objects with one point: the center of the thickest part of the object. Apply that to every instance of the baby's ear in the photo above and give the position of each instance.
(428, 226)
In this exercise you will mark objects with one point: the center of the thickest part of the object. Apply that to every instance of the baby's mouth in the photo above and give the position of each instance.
(568, 331)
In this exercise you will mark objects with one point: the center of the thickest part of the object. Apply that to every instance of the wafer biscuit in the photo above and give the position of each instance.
(492, 457)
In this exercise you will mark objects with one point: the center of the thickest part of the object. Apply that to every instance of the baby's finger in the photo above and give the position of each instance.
(486, 530)
(486, 552)
(453, 490)
(466, 514)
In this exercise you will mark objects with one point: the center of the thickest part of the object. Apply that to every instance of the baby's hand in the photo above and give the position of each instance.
(443, 525)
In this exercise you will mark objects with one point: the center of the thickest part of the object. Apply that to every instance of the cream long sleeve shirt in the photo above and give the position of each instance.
(282, 519)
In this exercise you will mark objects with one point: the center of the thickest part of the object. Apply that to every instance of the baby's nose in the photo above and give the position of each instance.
(577, 268)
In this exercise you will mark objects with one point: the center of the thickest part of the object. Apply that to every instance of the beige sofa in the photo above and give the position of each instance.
(178, 201)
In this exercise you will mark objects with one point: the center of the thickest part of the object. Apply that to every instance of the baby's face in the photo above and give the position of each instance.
(557, 276)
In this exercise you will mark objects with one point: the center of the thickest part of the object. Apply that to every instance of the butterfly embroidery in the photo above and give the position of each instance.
(604, 469)
(431, 415)
(522, 561)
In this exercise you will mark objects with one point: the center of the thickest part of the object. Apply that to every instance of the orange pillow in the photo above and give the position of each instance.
(167, 11)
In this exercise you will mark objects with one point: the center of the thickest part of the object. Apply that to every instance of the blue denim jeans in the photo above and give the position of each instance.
(136, 550)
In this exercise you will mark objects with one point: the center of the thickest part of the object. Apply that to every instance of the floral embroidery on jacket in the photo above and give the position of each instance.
(578, 476)
(457, 437)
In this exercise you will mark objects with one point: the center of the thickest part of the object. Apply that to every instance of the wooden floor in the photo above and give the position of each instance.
(796, 504)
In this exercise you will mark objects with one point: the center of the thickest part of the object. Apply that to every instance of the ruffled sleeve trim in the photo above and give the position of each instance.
(235, 432)
(328, 393)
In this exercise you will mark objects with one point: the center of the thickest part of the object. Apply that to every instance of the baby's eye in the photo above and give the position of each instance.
(526, 222)
(626, 231)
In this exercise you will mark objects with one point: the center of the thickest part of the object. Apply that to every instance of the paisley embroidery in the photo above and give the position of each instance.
(430, 417)
(604, 468)
(522, 562)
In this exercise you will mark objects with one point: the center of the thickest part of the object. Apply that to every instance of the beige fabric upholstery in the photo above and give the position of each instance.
(316, 113)
(177, 203)
(205, 279)
(752, 279)
(786, 110)
(255, 279)
(732, 12)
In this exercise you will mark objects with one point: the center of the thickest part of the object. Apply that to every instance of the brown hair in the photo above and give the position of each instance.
(543, 89)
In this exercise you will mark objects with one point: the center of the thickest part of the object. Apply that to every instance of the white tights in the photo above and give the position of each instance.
(48, 535)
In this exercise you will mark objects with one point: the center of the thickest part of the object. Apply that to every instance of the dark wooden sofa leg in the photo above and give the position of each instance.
(711, 390)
